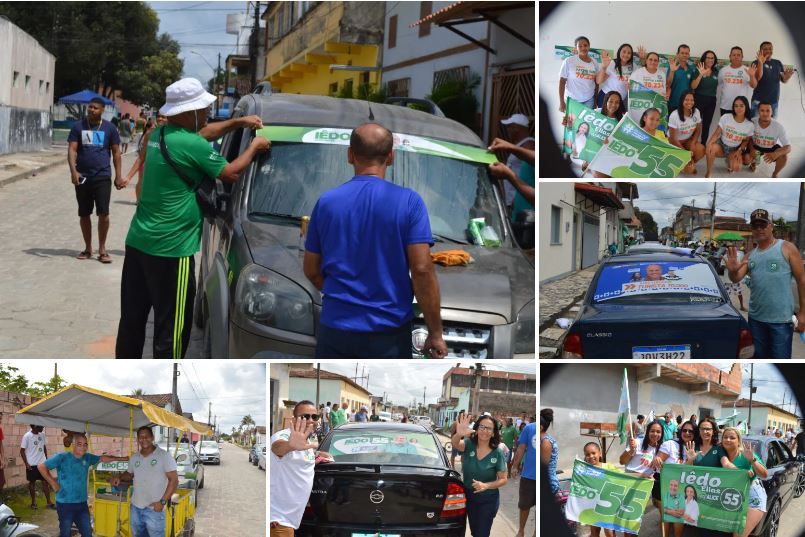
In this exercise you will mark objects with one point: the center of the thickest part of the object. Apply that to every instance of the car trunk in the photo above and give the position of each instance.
(615, 331)
(377, 495)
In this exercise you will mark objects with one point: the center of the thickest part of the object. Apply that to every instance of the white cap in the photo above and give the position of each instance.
(517, 119)
(185, 95)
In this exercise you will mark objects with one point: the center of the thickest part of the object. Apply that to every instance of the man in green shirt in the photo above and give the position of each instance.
(338, 415)
(165, 233)
(507, 435)
(673, 504)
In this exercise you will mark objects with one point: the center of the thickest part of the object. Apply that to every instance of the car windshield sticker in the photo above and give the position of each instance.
(384, 443)
(637, 279)
(402, 142)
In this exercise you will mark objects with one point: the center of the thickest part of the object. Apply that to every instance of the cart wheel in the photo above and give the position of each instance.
(189, 529)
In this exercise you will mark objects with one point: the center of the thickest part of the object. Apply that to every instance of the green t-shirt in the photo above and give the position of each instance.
(742, 463)
(711, 458)
(337, 417)
(484, 470)
(507, 435)
(672, 502)
(708, 85)
(168, 219)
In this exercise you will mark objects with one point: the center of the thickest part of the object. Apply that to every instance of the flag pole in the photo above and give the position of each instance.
(628, 403)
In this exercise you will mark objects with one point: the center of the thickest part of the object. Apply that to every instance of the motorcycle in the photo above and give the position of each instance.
(10, 525)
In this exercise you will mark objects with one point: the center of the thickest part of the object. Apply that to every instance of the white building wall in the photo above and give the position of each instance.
(410, 46)
(21, 53)
(603, 24)
(556, 259)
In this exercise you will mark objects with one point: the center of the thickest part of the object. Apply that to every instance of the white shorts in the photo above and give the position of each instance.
(757, 496)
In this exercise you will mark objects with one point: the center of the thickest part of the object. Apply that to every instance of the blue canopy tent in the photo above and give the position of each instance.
(83, 97)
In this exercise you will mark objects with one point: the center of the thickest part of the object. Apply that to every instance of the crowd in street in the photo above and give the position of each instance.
(748, 96)
(492, 451)
(668, 440)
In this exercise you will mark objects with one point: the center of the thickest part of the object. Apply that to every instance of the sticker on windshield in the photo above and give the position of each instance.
(402, 142)
(381, 443)
(636, 279)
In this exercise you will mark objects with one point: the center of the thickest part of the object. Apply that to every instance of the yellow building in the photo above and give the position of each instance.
(323, 48)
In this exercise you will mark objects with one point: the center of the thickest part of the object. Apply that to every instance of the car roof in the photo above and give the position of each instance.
(654, 256)
(382, 426)
(319, 111)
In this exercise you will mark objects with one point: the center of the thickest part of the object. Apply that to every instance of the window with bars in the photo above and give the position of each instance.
(449, 75)
(333, 89)
(398, 88)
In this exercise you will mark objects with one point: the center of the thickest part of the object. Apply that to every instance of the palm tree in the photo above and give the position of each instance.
(137, 392)
(246, 422)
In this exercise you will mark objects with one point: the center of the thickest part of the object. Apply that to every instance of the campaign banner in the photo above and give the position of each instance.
(662, 277)
(632, 152)
(402, 142)
(705, 497)
(585, 130)
(642, 98)
(607, 499)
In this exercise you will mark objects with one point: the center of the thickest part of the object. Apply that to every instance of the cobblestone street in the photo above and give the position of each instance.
(556, 299)
(53, 304)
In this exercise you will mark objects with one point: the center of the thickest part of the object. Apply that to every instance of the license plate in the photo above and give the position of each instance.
(667, 352)
(376, 535)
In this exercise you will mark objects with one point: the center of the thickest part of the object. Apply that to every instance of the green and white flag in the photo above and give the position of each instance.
(632, 152)
(642, 98)
(705, 497)
(624, 408)
(585, 130)
(606, 498)
(402, 142)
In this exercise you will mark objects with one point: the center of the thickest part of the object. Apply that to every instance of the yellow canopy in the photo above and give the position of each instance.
(78, 408)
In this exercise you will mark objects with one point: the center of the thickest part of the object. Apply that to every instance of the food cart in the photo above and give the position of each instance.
(95, 412)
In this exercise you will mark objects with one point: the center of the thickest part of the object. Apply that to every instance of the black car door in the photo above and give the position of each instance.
(779, 476)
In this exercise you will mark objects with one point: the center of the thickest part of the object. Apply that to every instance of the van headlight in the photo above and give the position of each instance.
(524, 330)
(271, 299)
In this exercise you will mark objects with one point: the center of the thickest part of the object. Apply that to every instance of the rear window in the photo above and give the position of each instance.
(652, 282)
(393, 447)
(209, 444)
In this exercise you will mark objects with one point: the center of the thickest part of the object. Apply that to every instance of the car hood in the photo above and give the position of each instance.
(500, 281)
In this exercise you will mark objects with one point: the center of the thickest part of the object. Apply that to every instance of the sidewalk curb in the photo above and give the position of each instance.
(29, 173)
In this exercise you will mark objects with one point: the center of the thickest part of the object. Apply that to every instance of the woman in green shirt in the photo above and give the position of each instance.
(705, 450)
(706, 90)
(483, 467)
(740, 456)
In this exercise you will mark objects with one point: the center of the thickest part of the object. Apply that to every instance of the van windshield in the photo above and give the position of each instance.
(292, 176)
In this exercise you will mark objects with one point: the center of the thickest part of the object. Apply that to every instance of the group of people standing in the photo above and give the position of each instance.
(747, 97)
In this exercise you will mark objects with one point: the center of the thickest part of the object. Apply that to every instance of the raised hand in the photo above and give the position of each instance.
(747, 452)
(690, 450)
(605, 59)
(731, 261)
(752, 70)
(761, 58)
(641, 53)
(789, 71)
(673, 64)
(705, 71)
(463, 425)
(300, 432)
(656, 464)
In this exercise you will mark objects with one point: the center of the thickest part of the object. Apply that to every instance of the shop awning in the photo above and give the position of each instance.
(459, 13)
(78, 408)
(599, 194)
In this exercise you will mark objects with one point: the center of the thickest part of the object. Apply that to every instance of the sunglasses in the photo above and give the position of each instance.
(313, 417)
(759, 225)
(689, 431)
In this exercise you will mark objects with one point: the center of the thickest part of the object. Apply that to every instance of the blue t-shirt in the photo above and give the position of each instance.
(94, 147)
(768, 87)
(529, 438)
(361, 230)
(72, 475)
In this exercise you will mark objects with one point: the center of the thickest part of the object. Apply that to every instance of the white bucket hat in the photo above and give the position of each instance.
(185, 95)
(517, 119)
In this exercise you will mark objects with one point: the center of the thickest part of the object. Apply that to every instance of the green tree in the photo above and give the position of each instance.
(98, 44)
(648, 223)
(42, 389)
(11, 381)
(457, 100)
(782, 228)
(137, 392)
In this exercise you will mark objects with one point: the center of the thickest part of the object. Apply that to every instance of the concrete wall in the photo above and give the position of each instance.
(411, 48)
(556, 259)
(666, 395)
(23, 130)
(603, 24)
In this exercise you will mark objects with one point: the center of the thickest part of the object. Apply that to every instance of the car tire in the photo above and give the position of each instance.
(799, 488)
(201, 484)
(772, 521)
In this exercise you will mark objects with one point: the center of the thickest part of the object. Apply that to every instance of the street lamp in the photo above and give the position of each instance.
(214, 78)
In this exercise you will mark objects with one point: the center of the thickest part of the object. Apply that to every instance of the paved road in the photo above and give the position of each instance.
(233, 500)
(54, 305)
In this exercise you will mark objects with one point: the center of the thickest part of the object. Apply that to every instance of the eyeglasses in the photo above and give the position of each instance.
(689, 431)
(486, 428)
(705, 429)
(313, 417)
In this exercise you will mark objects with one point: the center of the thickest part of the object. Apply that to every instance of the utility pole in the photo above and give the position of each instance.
(424, 391)
(476, 391)
(253, 45)
(801, 219)
(751, 391)
(174, 397)
(217, 84)
(209, 413)
(318, 378)
(713, 214)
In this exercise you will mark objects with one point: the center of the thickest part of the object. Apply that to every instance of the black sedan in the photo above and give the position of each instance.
(785, 481)
(658, 305)
(386, 479)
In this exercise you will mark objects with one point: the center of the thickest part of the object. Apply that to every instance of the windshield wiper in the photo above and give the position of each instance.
(276, 215)
(443, 238)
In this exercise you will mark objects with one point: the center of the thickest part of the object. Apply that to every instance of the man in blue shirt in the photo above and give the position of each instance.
(71, 488)
(668, 426)
(364, 238)
(770, 73)
(90, 142)
(526, 445)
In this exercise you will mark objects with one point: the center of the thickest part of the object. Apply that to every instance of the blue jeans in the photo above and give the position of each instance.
(73, 512)
(481, 511)
(772, 340)
(755, 105)
(147, 522)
